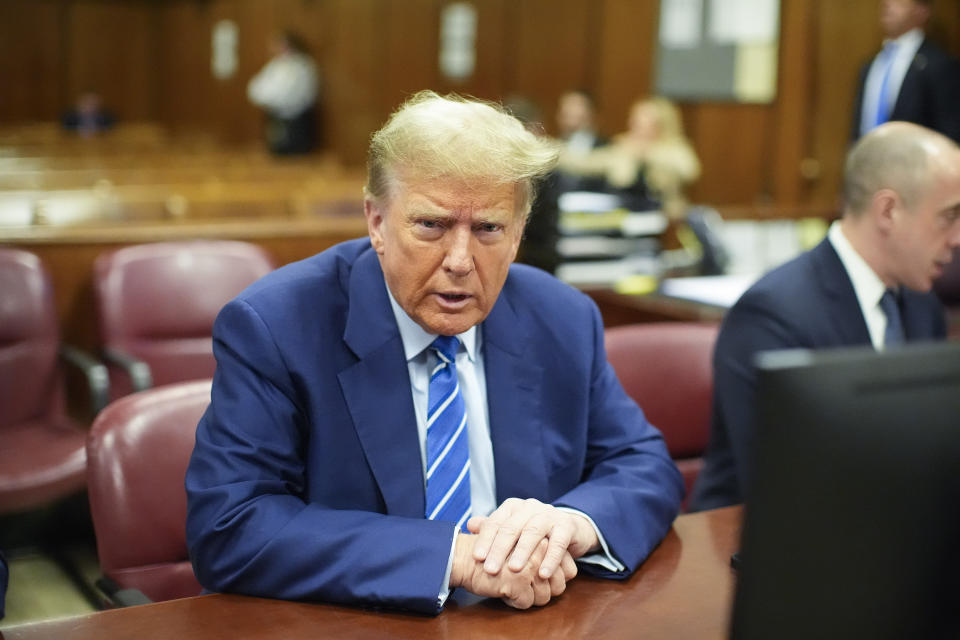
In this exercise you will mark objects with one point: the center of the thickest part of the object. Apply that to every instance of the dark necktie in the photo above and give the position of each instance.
(894, 332)
(448, 451)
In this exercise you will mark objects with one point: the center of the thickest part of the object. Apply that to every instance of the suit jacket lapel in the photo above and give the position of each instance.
(850, 325)
(513, 400)
(377, 391)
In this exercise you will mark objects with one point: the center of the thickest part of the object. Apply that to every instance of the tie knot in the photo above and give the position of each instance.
(446, 347)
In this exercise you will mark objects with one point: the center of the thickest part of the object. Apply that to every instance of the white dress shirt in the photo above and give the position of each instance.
(286, 86)
(907, 45)
(866, 284)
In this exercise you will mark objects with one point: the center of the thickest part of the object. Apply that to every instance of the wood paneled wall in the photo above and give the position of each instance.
(151, 60)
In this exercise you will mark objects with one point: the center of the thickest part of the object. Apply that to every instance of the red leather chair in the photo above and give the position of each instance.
(157, 303)
(667, 369)
(137, 453)
(42, 454)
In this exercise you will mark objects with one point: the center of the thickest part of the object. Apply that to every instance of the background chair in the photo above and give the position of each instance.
(157, 303)
(667, 369)
(42, 454)
(137, 499)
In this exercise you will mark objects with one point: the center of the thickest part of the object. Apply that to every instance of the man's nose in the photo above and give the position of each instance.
(458, 260)
(954, 239)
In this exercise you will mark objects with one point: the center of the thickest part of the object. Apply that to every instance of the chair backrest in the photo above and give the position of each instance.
(137, 455)
(667, 369)
(29, 379)
(157, 302)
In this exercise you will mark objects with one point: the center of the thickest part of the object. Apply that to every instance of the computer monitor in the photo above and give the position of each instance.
(852, 526)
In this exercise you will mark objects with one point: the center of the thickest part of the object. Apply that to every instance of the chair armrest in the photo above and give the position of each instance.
(98, 380)
(139, 371)
(120, 597)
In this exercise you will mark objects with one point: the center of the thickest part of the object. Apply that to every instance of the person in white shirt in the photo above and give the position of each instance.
(910, 79)
(286, 89)
(867, 283)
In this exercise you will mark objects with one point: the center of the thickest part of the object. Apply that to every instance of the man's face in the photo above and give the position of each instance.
(899, 16)
(445, 249)
(574, 113)
(923, 238)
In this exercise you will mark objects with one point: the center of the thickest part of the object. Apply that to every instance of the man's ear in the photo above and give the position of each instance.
(375, 219)
(884, 208)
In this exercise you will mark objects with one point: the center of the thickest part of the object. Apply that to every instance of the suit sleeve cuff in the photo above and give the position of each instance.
(603, 557)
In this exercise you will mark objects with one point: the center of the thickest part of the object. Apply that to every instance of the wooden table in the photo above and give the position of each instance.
(684, 590)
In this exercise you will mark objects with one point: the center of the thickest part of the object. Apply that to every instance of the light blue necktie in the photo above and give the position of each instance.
(448, 450)
(884, 99)
(894, 332)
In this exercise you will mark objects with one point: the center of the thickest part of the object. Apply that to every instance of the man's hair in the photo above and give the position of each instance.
(451, 137)
(894, 156)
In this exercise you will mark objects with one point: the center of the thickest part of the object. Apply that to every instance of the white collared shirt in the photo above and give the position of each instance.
(907, 46)
(286, 86)
(473, 386)
(866, 284)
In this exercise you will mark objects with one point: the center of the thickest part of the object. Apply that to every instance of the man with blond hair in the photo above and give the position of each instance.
(410, 413)
(867, 283)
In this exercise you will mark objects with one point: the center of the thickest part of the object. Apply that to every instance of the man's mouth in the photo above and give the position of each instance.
(453, 297)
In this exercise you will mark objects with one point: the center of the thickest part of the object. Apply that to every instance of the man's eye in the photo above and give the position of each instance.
(429, 224)
(489, 227)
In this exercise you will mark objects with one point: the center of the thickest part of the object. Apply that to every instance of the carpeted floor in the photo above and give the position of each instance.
(41, 588)
(53, 564)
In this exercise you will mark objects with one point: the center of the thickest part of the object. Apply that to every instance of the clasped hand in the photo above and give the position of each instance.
(541, 542)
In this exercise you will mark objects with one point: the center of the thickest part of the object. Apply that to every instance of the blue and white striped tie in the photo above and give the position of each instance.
(448, 451)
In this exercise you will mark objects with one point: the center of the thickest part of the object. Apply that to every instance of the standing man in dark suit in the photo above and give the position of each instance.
(867, 283)
(350, 384)
(910, 79)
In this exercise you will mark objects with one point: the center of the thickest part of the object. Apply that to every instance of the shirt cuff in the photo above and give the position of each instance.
(445, 587)
(603, 557)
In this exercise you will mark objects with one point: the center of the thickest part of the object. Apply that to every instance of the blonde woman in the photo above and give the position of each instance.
(650, 164)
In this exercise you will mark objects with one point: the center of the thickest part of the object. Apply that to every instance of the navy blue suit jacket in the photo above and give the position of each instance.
(929, 95)
(306, 480)
(806, 303)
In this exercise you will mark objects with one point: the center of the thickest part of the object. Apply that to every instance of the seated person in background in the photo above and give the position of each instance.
(88, 115)
(575, 121)
(576, 111)
(287, 88)
(374, 404)
(867, 283)
(649, 165)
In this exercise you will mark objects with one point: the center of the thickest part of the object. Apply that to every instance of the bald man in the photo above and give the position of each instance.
(867, 283)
